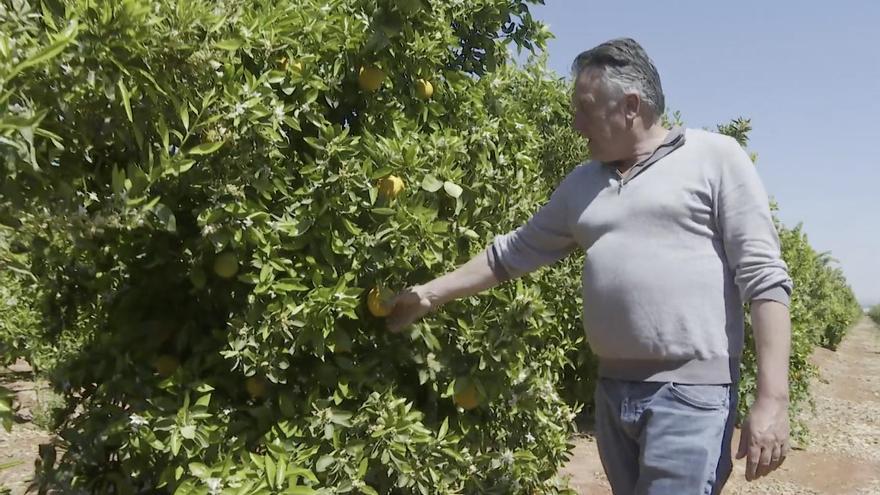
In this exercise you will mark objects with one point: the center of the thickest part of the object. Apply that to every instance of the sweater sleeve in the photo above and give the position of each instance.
(751, 242)
(543, 240)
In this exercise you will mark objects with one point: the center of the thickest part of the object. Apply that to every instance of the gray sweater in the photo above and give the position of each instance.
(673, 248)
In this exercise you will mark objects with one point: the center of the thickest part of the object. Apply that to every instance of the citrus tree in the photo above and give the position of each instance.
(874, 313)
(217, 197)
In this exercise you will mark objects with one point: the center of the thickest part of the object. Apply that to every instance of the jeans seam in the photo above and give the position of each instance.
(683, 396)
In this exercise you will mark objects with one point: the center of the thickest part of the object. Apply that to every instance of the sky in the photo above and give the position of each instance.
(807, 74)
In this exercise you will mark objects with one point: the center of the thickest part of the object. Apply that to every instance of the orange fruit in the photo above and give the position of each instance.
(378, 302)
(424, 89)
(166, 365)
(391, 186)
(468, 398)
(226, 265)
(370, 78)
(256, 387)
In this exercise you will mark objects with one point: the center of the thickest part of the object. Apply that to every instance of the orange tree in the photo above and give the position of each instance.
(209, 190)
(874, 313)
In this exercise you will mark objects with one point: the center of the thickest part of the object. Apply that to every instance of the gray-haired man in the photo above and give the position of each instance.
(678, 233)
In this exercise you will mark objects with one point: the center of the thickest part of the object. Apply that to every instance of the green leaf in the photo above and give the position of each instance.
(381, 172)
(324, 462)
(204, 400)
(184, 116)
(280, 472)
(178, 167)
(431, 183)
(166, 217)
(270, 471)
(205, 148)
(299, 472)
(175, 446)
(125, 99)
(452, 189)
(288, 285)
(229, 44)
(118, 180)
(341, 417)
(199, 470)
(188, 432)
(470, 234)
(48, 52)
(443, 429)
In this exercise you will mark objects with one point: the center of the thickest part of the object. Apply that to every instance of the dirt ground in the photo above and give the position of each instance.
(843, 454)
(18, 449)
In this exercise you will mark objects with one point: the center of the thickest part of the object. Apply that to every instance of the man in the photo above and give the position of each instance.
(678, 233)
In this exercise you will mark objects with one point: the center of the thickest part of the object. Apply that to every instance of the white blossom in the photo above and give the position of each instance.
(136, 421)
(215, 485)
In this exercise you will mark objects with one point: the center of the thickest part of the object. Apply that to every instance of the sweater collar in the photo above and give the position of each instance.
(674, 140)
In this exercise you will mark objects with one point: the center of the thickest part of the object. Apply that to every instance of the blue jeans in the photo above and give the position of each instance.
(665, 438)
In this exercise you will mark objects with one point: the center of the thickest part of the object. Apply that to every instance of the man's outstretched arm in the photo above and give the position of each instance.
(473, 277)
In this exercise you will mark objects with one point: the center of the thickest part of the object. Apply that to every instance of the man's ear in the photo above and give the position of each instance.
(632, 106)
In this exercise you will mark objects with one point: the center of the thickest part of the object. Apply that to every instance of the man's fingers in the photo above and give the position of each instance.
(397, 324)
(776, 459)
(400, 297)
(743, 449)
(764, 462)
(754, 457)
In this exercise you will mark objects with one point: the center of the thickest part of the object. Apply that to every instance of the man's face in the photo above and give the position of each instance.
(599, 115)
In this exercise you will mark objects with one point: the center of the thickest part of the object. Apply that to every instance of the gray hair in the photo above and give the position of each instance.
(627, 68)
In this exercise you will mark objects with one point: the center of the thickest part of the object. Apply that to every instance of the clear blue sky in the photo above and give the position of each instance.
(806, 73)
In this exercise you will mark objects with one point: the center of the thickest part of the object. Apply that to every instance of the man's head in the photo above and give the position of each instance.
(617, 97)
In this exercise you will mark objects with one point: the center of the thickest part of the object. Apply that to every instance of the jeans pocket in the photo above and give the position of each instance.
(706, 397)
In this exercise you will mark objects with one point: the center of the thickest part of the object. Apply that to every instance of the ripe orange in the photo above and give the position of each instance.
(378, 302)
(424, 89)
(370, 78)
(226, 265)
(391, 186)
(166, 365)
(468, 398)
(256, 387)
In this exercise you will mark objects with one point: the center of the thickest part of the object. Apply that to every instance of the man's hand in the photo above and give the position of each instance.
(408, 306)
(764, 437)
